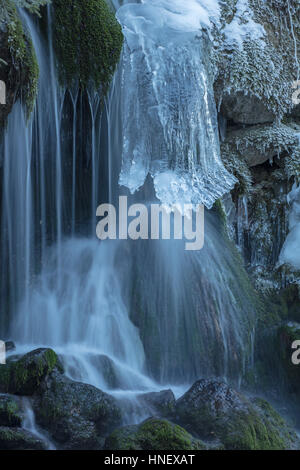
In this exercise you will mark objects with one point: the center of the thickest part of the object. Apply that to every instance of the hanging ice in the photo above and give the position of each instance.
(169, 116)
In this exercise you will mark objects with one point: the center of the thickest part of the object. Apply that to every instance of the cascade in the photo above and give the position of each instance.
(124, 316)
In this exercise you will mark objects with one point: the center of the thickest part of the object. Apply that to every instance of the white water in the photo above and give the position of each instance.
(29, 424)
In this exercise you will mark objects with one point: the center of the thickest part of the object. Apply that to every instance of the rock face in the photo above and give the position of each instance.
(153, 434)
(77, 415)
(212, 410)
(245, 109)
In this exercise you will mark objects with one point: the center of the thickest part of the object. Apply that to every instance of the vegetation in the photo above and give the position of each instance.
(88, 42)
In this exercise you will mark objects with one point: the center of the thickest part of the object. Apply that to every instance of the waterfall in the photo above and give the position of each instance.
(29, 424)
(124, 316)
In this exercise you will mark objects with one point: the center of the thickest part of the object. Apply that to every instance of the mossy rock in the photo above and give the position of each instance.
(18, 66)
(19, 439)
(24, 376)
(213, 410)
(10, 411)
(76, 415)
(88, 42)
(153, 434)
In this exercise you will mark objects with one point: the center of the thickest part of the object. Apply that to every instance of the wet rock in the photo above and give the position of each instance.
(246, 109)
(10, 346)
(10, 411)
(153, 434)
(213, 410)
(25, 375)
(76, 415)
(19, 439)
(160, 403)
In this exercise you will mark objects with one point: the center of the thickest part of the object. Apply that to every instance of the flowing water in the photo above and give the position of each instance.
(124, 316)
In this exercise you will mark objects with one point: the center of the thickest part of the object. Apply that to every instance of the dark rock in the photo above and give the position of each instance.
(10, 346)
(245, 109)
(211, 409)
(76, 415)
(24, 376)
(153, 434)
(10, 411)
(19, 439)
(161, 403)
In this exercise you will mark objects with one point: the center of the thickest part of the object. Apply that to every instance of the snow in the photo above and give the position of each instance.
(243, 27)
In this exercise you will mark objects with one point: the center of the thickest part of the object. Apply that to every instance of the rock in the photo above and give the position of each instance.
(76, 415)
(153, 434)
(286, 335)
(160, 403)
(258, 144)
(10, 346)
(211, 409)
(25, 375)
(10, 411)
(18, 65)
(246, 109)
(19, 439)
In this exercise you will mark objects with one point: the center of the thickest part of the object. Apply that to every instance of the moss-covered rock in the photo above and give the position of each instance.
(10, 411)
(211, 409)
(24, 376)
(18, 65)
(76, 415)
(88, 42)
(19, 439)
(153, 434)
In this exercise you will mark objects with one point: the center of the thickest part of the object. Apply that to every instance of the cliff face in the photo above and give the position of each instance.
(257, 57)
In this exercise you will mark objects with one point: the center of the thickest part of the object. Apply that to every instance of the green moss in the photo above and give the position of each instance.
(153, 434)
(88, 42)
(26, 375)
(24, 68)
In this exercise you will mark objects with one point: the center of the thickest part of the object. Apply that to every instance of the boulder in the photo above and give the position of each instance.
(246, 109)
(25, 375)
(212, 410)
(160, 403)
(153, 434)
(76, 415)
(19, 439)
